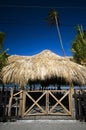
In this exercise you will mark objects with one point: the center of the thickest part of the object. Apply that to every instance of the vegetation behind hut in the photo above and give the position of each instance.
(79, 46)
(3, 55)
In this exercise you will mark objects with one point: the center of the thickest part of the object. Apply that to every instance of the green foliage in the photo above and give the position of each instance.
(51, 17)
(3, 55)
(3, 59)
(2, 37)
(79, 46)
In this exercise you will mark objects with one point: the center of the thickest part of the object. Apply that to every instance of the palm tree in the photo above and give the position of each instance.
(79, 46)
(3, 55)
(2, 36)
(53, 19)
(3, 59)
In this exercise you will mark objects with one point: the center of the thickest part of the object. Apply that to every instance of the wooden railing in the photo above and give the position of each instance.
(41, 102)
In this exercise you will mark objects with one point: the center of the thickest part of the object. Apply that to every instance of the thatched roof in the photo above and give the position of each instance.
(45, 67)
(13, 58)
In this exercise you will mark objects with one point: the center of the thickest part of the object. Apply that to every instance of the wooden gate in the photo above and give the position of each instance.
(42, 102)
(49, 102)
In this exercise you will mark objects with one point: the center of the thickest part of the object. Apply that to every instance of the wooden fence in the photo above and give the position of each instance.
(40, 102)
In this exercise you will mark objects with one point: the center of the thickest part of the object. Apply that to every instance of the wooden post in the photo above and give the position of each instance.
(71, 100)
(47, 102)
(23, 102)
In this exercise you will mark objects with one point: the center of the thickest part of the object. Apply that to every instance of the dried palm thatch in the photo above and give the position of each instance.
(13, 58)
(45, 67)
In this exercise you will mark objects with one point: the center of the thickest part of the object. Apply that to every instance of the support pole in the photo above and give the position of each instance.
(23, 103)
(71, 100)
(47, 102)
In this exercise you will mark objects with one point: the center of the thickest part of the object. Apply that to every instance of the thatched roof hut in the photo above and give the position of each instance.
(45, 67)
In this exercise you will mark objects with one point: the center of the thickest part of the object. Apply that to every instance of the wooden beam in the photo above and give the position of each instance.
(35, 103)
(47, 102)
(17, 93)
(23, 103)
(71, 100)
(59, 102)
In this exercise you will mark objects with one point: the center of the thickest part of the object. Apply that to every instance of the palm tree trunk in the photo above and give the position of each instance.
(57, 26)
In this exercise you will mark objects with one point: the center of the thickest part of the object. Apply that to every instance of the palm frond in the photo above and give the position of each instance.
(51, 17)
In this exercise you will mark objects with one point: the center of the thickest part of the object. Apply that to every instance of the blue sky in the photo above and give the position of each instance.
(27, 32)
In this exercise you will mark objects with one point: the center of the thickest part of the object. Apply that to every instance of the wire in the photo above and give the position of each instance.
(41, 23)
(27, 6)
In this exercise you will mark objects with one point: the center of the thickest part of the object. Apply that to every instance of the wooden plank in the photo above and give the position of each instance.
(35, 103)
(35, 114)
(71, 102)
(36, 91)
(47, 102)
(59, 102)
(58, 113)
(65, 108)
(70, 108)
(17, 93)
(23, 103)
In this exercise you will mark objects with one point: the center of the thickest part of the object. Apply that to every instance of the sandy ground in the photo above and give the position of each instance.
(43, 125)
